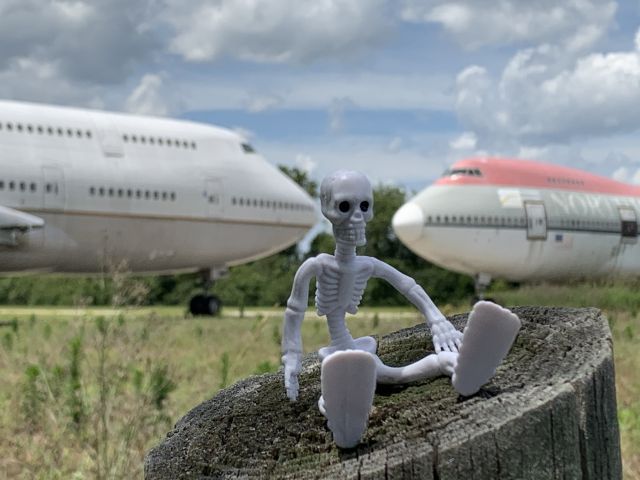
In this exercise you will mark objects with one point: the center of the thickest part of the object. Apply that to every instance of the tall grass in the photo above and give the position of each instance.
(89, 396)
(604, 295)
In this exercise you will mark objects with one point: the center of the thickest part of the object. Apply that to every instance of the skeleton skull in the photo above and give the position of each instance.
(347, 202)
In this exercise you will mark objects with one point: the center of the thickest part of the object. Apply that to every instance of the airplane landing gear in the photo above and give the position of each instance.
(482, 282)
(205, 303)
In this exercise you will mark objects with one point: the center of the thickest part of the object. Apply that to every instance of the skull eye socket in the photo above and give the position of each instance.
(344, 206)
(364, 206)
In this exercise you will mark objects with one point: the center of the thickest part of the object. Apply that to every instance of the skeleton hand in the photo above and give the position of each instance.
(292, 365)
(445, 337)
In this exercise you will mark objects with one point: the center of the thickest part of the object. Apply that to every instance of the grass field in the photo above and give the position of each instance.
(86, 392)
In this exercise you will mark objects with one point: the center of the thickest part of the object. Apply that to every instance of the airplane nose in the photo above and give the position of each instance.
(407, 222)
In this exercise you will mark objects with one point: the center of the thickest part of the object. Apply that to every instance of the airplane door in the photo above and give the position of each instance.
(536, 220)
(108, 136)
(629, 224)
(213, 195)
(54, 194)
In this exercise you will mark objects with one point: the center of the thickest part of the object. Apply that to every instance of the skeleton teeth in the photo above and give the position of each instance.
(350, 234)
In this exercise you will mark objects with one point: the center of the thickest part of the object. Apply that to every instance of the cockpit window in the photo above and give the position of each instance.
(248, 148)
(470, 172)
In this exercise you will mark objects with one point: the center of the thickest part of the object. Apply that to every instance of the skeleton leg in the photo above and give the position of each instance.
(348, 381)
(341, 338)
(431, 366)
(488, 336)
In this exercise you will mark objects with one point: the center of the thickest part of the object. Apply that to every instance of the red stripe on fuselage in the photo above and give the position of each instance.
(526, 173)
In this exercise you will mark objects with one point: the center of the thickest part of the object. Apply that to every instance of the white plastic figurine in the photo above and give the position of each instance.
(350, 367)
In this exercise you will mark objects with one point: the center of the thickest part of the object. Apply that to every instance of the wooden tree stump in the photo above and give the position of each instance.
(550, 412)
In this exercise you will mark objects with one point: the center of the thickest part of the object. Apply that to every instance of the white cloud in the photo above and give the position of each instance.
(395, 145)
(575, 24)
(41, 81)
(466, 141)
(375, 90)
(627, 175)
(72, 51)
(545, 96)
(305, 163)
(420, 162)
(273, 32)
(336, 113)
(96, 42)
(147, 98)
(260, 103)
(621, 174)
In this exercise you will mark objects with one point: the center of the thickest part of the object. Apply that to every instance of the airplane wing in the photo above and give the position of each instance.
(14, 224)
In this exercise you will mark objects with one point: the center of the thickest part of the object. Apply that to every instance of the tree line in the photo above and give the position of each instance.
(265, 282)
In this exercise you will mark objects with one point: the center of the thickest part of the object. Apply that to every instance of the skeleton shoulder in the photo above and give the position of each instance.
(309, 268)
(324, 261)
(399, 280)
(366, 264)
(379, 267)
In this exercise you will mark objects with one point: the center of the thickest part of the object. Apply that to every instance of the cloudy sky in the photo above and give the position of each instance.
(396, 88)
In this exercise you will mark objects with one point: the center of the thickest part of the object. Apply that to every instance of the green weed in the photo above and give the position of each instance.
(7, 341)
(75, 400)
(224, 370)
(265, 367)
(32, 397)
(47, 331)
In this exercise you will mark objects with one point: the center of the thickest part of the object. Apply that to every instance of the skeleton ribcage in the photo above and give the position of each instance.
(340, 290)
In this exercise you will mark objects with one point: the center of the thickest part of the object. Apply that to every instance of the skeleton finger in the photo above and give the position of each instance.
(291, 385)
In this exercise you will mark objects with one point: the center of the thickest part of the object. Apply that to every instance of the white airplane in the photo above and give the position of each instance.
(81, 190)
(522, 220)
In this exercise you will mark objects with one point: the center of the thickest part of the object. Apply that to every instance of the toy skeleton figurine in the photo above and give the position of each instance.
(350, 367)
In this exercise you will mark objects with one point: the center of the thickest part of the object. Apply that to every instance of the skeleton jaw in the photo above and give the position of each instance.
(351, 234)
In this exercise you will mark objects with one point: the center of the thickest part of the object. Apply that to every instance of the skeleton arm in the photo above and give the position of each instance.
(293, 316)
(445, 336)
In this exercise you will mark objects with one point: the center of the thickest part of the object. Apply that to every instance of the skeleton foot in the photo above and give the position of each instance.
(348, 381)
(488, 336)
(367, 344)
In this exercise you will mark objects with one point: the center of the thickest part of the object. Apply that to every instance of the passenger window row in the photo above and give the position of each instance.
(169, 142)
(80, 133)
(42, 130)
(260, 203)
(597, 224)
(29, 187)
(517, 221)
(13, 185)
(132, 193)
(475, 220)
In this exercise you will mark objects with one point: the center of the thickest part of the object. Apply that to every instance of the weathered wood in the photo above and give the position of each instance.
(550, 412)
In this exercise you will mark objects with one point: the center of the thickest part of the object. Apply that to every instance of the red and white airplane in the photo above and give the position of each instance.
(523, 220)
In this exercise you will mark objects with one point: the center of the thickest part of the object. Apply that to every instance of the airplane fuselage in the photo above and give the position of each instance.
(521, 220)
(164, 195)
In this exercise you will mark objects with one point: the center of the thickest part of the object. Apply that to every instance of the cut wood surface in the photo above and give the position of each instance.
(549, 412)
